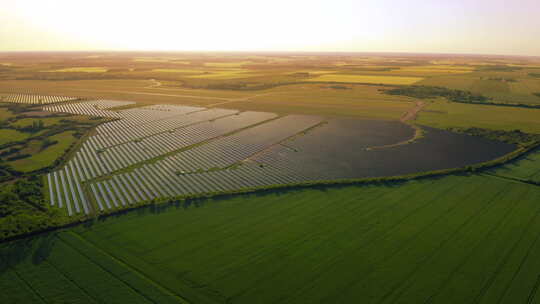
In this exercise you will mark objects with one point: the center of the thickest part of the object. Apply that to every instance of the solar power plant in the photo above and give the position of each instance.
(34, 99)
(168, 151)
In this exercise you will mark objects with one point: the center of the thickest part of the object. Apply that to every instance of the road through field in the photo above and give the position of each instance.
(412, 113)
(407, 116)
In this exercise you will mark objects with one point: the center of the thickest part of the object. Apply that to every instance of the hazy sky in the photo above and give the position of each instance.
(447, 26)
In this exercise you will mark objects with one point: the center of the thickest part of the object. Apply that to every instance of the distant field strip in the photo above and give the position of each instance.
(81, 70)
(367, 79)
(34, 99)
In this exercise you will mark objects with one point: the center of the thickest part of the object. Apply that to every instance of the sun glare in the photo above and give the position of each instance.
(344, 25)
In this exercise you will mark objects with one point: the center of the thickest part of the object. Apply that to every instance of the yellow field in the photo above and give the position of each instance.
(226, 74)
(159, 60)
(319, 99)
(441, 69)
(182, 71)
(227, 64)
(82, 69)
(367, 79)
(317, 72)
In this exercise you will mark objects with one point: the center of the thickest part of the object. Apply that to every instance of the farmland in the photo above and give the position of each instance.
(444, 114)
(269, 178)
(162, 151)
(82, 69)
(411, 243)
(527, 169)
(367, 79)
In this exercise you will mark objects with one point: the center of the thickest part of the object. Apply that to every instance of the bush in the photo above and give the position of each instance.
(20, 156)
(516, 137)
(47, 143)
(424, 92)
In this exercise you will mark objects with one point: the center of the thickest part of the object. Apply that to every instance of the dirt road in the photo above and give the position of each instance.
(412, 113)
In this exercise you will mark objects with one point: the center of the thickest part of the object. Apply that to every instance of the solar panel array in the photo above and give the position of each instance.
(161, 151)
(34, 99)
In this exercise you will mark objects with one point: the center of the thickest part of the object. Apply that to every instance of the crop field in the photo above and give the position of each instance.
(164, 151)
(226, 74)
(367, 79)
(213, 178)
(227, 64)
(505, 88)
(81, 69)
(412, 243)
(442, 114)
(528, 169)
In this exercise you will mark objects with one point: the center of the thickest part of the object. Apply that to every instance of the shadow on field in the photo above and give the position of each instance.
(186, 204)
(35, 250)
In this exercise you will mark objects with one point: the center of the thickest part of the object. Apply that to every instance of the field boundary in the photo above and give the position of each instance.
(515, 179)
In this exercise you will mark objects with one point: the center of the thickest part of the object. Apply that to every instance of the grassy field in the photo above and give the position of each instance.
(366, 79)
(443, 114)
(527, 168)
(5, 114)
(354, 101)
(233, 64)
(456, 239)
(24, 147)
(47, 121)
(8, 135)
(182, 71)
(46, 157)
(226, 74)
(82, 69)
(494, 85)
(375, 244)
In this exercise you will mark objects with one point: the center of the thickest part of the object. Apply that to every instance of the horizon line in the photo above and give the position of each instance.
(394, 53)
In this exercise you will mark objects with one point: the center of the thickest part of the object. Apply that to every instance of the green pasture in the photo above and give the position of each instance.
(46, 157)
(47, 121)
(445, 114)
(449, 240)
(10, 135)
(527, 168)
(508, 87)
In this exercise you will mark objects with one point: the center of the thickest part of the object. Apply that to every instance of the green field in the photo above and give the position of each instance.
(367, 79)
(44, 158)
(5, 114)
(9, 135)
(443, 114)
(519, 90)
(453, 239)
(47, 122)
(449, 240)
(528, 168)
